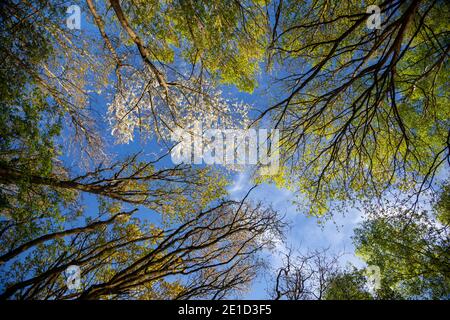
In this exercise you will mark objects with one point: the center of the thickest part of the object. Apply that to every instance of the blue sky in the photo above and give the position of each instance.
(304, 233)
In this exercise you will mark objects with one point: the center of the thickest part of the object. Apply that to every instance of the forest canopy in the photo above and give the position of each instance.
(92, 92)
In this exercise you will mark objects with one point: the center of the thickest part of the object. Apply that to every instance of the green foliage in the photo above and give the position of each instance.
(412, 252)
(350, 285)
(366, 110)
(442, 205)
(226, 37)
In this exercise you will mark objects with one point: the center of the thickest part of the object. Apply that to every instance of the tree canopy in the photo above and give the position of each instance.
(87, 118)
